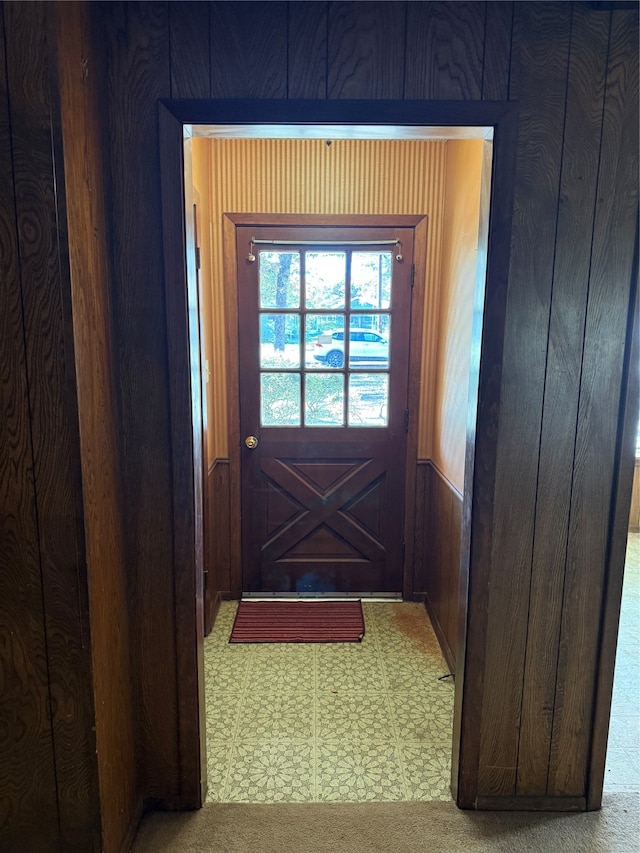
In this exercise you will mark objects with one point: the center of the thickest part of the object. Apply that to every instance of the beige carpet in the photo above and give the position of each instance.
(389, 828)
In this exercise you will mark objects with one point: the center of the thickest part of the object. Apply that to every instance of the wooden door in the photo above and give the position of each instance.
(324, 320)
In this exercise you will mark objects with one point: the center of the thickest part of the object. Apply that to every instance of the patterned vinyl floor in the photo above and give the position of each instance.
(346, 722)
(368, 721)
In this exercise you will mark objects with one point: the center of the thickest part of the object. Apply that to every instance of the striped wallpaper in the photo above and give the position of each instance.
(309, 176)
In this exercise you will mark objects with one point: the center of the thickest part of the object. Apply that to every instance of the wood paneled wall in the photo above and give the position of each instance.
(571, 68)
(102, 494)
(437, 554)
(48, 771)
(540, 568)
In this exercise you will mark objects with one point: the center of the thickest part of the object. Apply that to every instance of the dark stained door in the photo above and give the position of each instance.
(324, 320)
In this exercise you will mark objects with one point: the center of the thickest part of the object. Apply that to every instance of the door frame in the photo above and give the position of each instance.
(231, 221)
(176, 120)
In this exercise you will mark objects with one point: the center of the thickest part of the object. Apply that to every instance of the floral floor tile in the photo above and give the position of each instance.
(356, 771)
(427, 772)
(354, 716)
(277, 771)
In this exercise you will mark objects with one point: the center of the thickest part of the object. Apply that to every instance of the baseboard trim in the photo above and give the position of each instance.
(532, 804)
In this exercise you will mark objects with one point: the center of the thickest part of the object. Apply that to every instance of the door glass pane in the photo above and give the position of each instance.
(370, 280)
(368, 399)
(324, 340)
(324, 399)
(279, 279)
(369, 341)
(279, 340)
(280, 399)
(325, 279)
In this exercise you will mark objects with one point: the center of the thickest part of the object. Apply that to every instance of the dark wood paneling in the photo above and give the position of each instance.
(538, 80)
(183, 333)
(220, 522)
(441, 555)
(366, 49)
(445, 46)
(496, 206)
(453, 592)
(421, 532)
(580, 158)
(366, 58)
(307, 71)
(54, 422)
(497, 50)
(249, 50)
(136, 39)
(29, 804)
(189, 33)
(601, 387)
(535, 804)
(102, 495)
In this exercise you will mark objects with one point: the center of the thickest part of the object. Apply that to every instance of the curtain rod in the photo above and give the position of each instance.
(325, 242)
(253, 242)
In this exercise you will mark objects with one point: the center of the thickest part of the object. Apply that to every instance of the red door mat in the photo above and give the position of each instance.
(298, 622)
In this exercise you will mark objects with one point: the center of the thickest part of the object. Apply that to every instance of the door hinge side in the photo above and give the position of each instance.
(406, 420)
(413, 273)
(198, 264)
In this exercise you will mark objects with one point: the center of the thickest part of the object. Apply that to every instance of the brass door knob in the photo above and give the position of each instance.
(251, 441)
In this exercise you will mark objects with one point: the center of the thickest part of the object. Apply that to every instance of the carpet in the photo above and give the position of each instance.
(298, 622)
(389, 828)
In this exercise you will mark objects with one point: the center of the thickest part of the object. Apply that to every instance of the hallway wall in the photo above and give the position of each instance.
(543, 416)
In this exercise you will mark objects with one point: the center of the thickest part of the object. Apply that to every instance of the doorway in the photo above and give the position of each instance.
(173, 125)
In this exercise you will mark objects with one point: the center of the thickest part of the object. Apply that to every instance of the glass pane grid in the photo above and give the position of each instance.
(325, 342)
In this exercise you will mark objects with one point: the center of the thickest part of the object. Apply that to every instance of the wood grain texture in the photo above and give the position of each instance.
(366, 49)
(249, 50)
(189, 34)
(494, 232)
(136, 42)
(54, 421)
(497, 50)
(444, 52)
(420, 526)
(230, 274)
(538, 80)
(102, 494)
(416, 348)
(442, 560)
(307, 39)
(580, 159)
(540, 42)
(601, 391)
(185, 385)
(220, 522)
(26, 739)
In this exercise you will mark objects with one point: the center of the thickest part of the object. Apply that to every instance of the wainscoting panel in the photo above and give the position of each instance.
(217, 561)
(437, 553)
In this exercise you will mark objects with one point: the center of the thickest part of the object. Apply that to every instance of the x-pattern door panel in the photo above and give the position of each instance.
(323, 342)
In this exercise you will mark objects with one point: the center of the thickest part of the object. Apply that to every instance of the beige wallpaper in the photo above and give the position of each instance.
(307, 176)
(438, 178)
(457, 283)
